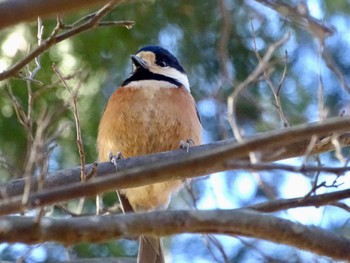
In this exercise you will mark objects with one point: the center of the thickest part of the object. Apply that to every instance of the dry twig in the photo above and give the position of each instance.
(74, 97)
(275, 92)
(252, 78)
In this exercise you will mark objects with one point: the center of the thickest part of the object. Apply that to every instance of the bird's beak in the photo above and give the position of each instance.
(139, 62)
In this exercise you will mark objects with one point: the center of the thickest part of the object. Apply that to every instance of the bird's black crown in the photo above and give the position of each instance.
(164, 57)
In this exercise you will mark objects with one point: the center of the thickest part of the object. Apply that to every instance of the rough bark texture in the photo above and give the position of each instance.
(231, 222)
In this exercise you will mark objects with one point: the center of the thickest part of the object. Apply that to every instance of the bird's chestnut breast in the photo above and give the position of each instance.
(140, 121)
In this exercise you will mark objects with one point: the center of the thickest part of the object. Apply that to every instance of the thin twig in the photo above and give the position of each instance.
(212, 240)
(40, 39)
(309, 149)
(337, 146)
(275, 93)
(252, 78)
(259, 250)
(285, 167)
(283, 77)
(74, 96)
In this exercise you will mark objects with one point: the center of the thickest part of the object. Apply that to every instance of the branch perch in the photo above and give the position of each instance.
(232, 222)
(166, 166)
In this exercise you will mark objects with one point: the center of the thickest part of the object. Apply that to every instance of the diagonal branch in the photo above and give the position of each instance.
(301, 17)
(232, 222)
(28, 11)
(54, 38)
(168, 166)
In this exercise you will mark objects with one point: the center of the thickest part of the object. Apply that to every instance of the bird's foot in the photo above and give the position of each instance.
(186, 144)
(114, 158)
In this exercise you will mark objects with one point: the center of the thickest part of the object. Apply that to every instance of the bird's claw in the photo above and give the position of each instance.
(113, 158)
(186, 144)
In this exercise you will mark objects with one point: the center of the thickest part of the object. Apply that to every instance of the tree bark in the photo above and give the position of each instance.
(230, 222)
(172, 165)
(16, 11)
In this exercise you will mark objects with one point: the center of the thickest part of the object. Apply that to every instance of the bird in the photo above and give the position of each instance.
(152, 111)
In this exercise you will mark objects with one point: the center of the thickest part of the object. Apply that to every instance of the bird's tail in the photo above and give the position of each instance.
(150, 250)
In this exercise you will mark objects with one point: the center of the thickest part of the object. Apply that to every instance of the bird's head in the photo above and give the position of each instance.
(154, 63)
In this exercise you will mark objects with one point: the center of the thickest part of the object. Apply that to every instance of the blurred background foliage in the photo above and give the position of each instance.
(214, 42)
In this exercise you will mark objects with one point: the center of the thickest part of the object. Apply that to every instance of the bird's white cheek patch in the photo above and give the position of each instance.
(150, 83)
(174, 74)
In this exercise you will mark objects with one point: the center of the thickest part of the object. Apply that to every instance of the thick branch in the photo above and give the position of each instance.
(232, 222)
(165, 166)
(30, 10)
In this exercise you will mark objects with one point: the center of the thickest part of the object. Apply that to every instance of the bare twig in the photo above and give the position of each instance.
(213, 240)
(301, 17)
(337, 147)
(225, 32)
(309, 149)
(27, 253)
(74, 96)
(40, 39)
(68, 212)
(251, 245)
(275, 93)
(209, 240)
(252, 78)
(20, 113)
(283, 77)
(322, 113)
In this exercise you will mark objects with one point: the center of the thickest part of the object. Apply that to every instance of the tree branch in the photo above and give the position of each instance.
(28, 11)
(316, 200)
(166, 166)
(301, 17)
(232, 222)
(93, 20)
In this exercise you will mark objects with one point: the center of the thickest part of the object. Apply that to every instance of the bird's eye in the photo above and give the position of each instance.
(163, 64)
